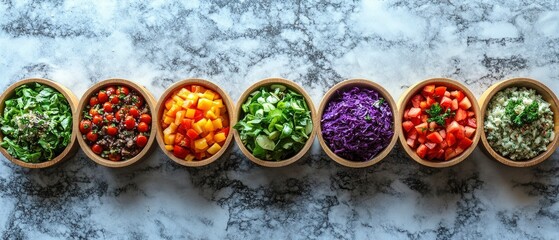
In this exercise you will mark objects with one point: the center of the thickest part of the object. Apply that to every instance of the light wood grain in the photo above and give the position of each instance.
(238, 114)
(546, 94)
(161, 107)
(72, 147)
(361, 83)
(451, 85)
(149, 100)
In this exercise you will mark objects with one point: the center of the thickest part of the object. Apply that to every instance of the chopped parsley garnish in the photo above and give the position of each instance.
(436, 114)
(528, 115)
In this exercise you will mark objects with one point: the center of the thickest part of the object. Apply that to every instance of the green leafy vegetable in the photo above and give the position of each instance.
(276, 123)
(436, 114)
(36, 123)
(520, 114)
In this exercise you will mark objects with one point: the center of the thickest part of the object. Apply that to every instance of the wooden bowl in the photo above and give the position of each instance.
(546, 94)
(72, 147)
(451, 84)
(362, 83)
(161, 107)
(238, 115)
(149, 100)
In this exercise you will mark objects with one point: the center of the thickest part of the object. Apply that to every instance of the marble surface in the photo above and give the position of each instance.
(317, 44)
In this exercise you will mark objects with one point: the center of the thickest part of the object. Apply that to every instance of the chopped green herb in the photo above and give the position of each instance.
(436, 115)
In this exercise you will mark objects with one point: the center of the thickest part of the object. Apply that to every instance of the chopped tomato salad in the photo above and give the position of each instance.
(439, 123)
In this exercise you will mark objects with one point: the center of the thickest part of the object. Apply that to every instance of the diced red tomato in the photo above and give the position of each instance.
(421, 128)
(461, 114)
(192, 134)
(198, 115)
(454, 105)
(431, 101)
(430, 145)
(450, 139)
(421, 150)
(459, 150)
(421, 139)
(447, 94)
(412, 134)
(472, 122)
(414, 112)
(471, 114)
(469, 131)
(440, 91)
(442, 133)
(446, 102)
(423, 105)
(432, 126)
(407, 125)
(416, 100)
(465, 104)
(458, 95)
(435, 137)
(406, 116)
(411, 142)
(465, 143)
(428, 90)
(460, 133)
(443, 145)
(449, 154)
(452, 127)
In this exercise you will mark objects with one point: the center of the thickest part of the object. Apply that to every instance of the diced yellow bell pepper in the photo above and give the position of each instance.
(214, 149)
(215, 110)
(178, 100)
(211, 115)
(179, 117)
(169, 103)
(187, 104)
(193, 97)
(198, 89)
(197, 128)
(200, 144)
(169, 147)
(189, 157)
(210, 138)
(169, 139)
(209, 94)
(173, 111)
(204, 104)
(172, 128)
(168, 120)
(218, 103)
(202, 122)
(190, 113)
(217, 123)
(220, 137)
(208, 127)
(183, 93)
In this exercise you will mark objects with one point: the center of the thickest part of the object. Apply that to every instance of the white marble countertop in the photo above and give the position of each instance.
(234, 44)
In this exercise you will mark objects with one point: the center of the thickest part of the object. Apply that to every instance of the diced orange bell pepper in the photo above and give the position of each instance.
(219, 137)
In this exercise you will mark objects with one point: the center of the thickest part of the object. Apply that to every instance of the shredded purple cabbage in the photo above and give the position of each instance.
(357, 124)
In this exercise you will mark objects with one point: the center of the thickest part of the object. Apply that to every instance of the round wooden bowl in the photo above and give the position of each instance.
(238, 115)
(546, 94)
(362, 83)
(451, 84)
(149, 100)
(72, 147)
(161, 107)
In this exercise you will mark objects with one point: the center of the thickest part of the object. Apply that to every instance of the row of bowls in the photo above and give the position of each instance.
(158, 107)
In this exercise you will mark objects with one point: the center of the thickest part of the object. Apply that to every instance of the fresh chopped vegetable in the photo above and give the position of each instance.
(439, 123)
(36, 123)
(519, 123)
(195, 123)
(119, 125)
(275, 123)
(357, 124)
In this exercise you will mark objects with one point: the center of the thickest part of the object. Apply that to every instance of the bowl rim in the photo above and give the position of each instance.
(148, 97)
(364, 83)
(515, 82)
(159, 111)
(70, 149)
(414, 89)
(293, 86)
